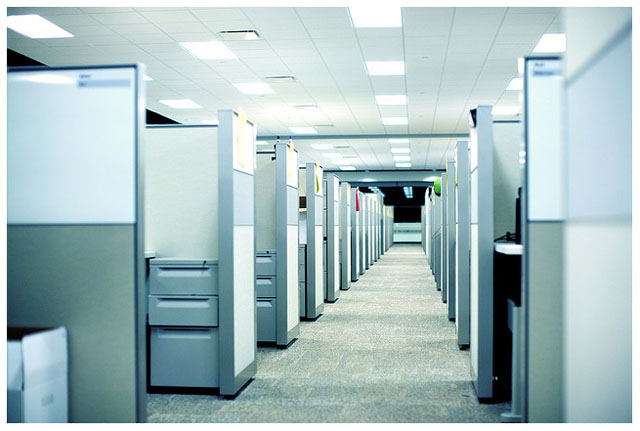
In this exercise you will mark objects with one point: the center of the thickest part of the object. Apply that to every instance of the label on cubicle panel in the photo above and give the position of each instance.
(544, 101)
(71, 146)
(292, 167)
(244, 143)
(318, 179)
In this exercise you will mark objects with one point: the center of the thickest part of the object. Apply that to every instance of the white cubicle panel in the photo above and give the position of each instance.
(181, 191)
(75, 227)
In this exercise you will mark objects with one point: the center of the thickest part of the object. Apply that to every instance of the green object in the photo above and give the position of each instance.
(437, 185)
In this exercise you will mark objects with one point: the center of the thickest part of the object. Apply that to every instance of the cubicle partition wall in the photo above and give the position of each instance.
(388, 227)
(345, 236)
(544, 207)
(355, 234)
(311, 240)
(451, 238)
(366, 214)
(277, 245)
(437, 239)
(481, 257)
(362, 235)
(444, 227)
(332, 212)
(427, 228)
(462, 243)
(75, 228)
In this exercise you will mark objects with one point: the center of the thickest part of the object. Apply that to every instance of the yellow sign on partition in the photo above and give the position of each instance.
(318, 175)
(292, 167)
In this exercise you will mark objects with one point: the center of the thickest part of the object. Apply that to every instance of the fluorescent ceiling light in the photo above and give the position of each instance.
(181, 104)
(521, 65)
(431, 178)
(332, 155)
(516, 84)
(213, 50)
(35, 27)
(552, 42)
(347, 168)
(402, 158)
(322, 146)
(210, 122)
(395, 121)
(50, 78)
(147, 78)
(403, 165)
(303, 130)
(399, 99)
(375, 16)
(398, 141)
(262, 143)
(400, 150)
(505, 110)
(254, 88)
(385, 67)
(340, 162)
(368, 180)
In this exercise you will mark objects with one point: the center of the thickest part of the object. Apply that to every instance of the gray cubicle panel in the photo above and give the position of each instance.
(444, 226)
(543, 222)
(332, 192)
(277, 245)
(345, 236)
(462, 243)
(75, 227)
(437, 239)
(383, 227)
(423, 227)
(481, 263)
(355, 235)
(451, 238)
(427, 219)
(390, 211)
(236, 142)
(314, 296)
(362, 236)
(366, 213)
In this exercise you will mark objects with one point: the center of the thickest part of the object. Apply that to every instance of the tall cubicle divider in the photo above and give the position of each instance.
(345, 236)
(200, 210)
(389, 226)
(362, 236)
(437, 237)
(462, 243)
(481, 260)
(444, 220)
(277, 245)
(355, 234)
(451, 238)
(332, 244)
(311, 242)
(75, 228)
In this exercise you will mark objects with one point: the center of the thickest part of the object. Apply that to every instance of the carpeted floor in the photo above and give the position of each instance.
(385, 352)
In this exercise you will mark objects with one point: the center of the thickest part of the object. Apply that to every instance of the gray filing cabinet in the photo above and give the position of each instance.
(183, 320)
(302, 277)
(266, 295)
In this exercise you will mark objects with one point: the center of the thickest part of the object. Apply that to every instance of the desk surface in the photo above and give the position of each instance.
(508, 248)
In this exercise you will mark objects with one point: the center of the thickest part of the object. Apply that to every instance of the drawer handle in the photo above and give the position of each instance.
(184, 303)
(184, 333)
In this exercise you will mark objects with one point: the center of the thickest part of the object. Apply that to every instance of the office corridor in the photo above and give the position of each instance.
(384, 352)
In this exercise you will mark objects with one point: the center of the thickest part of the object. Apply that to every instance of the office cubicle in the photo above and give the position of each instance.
(75, 227)
(450, 197)
(355, 234)
(345, 236)
(277, 245)
(362, 235)
(462, 243)
(311, 241)
(332, 235)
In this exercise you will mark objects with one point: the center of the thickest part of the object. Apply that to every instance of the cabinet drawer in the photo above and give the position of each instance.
(266, 287)
(266, 311)
(265, 264)
(183, 280)
(183, 310)
(184, 357)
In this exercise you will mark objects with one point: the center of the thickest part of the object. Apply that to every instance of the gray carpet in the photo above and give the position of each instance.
(385, 352)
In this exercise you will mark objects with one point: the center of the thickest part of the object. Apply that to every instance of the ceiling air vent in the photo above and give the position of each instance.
(280, 79)
(323, 125)
(239, 35)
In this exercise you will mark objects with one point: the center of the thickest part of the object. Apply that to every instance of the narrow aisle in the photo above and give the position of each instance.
(384, 352)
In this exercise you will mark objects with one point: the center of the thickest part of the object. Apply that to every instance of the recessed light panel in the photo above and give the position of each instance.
(347, 168)
(400, 150)
(552, 42)
(254, 88)
(395, 121)
(373, 15)
(322, 146)
(403, 165)
(399, 141)
(181, 104)
(385, 67)
(303, 130)
(399, 99)
(212, 50)
(35, 27)
(147, 78)
(402, 158)
(516, 84)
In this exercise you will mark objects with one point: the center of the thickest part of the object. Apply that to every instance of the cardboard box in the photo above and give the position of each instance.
(37, 375)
